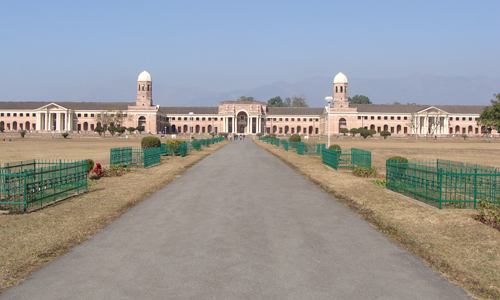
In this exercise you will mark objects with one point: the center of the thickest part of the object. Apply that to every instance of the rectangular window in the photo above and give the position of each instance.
(274, 119)
(372, 117)
(185, 118)
(385, 117)
(86, 115)
(14, 114)
(451, 119)
(406, 118)
(293, 119)
(379, 118)
(20, 114)
(28, 114)
(1, 115)
(112, 115)
(203, 119)
(392, 117)
(366, 118)
(8, 114)
(79, 115)
(209, 118)
(286, 119)
(457, 119)
(281, 119)
(310, 119)
(463, 118)
(470, 119)
(92, 115)
(215, 119)
(359, 117)
(399, 118)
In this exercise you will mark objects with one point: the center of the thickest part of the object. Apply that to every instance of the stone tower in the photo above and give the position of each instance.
(340, 98)
(144, 90)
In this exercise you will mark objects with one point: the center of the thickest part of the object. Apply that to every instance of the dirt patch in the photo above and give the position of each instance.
(28, 241)
(451, 241)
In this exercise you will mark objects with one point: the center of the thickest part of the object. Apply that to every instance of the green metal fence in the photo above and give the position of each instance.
(171, 150)
(347, 158)
(33, 183)
(138, 157)
(444, 183)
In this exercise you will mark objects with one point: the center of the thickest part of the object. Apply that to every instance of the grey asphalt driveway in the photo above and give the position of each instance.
(238, 225)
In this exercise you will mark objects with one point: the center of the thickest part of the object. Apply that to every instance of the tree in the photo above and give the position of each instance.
(104, 118)
(299, 101)
(112, 130)
(354, 131)
(288, 102)
(365, 133)
(360, 99)
(99, 129)
(140, 128)
(131, 129)
(120, 129)
(385, 134)
(344, 130)
(490, 117)
(275, 102)
(245, 98)
(2, 129)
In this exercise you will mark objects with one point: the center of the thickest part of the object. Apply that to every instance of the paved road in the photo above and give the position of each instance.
(238, 225)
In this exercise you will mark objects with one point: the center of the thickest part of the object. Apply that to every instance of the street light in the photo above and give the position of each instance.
(329, 100)
(191, 129)
(277, 128)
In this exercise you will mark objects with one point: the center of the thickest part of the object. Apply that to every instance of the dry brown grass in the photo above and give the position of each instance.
(451, 241)
(28, 241)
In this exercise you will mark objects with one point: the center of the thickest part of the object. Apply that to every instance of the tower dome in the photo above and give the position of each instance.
(145, 76)
(340, 78)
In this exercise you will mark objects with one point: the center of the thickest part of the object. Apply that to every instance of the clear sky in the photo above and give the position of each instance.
(48, 45)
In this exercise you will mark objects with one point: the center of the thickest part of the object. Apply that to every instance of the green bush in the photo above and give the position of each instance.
(271, 136)
(385, 134)
(344, 130)
(398, 159)
(131, 129)
(174, 146)
(140, 128)
(364, 171)
(90, 165)
(2, 129)
(364, 133)
(149, 142)
(65, 135)
(464, 136)
(354, 131)
(295, 138)
(259, 134)
(22, 133)
(335, 147)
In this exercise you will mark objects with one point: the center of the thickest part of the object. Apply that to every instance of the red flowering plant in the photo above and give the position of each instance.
(97, 172)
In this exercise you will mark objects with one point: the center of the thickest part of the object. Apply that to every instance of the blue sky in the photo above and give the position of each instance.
(69, 47)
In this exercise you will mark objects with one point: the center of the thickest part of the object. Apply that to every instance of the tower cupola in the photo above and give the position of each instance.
(144, 89)
(340, 98)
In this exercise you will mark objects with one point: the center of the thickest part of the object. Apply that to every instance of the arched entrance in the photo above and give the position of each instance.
(342, 123)
(142, 121)
(242, 122)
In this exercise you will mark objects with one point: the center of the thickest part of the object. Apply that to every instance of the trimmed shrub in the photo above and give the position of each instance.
(364, 133)
(259, 134)
(398, 159)
(271, 136)
(335, 147)
(385, 134)
(65, 134)
(344, 130)
(22, 133)
(295, 138)
(149, 142)
(90, 165)
(140, 128)
(354, 131)
(174, 146)
(131, 129)
(364, 171)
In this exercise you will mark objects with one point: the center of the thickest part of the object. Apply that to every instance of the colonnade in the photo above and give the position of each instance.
(250, 120)
(430, 124)
(58, 121)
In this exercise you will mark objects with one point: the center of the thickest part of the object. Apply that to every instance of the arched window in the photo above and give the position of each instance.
(336, 89)
(372, 126)
(143, 87)
(85, 126)
(311, 130)
(470, 130)
(197, 128)
(342, 122)
(386, 127)
(287, 129)
(185, 129)
(341, 89)
(142, 121)
(299, 129)
(275, 129)
(27, 125)
(148, 87)
(457, 129)
(138, 87)
(209, 128)
(14, 125)
(398, 129)
(173, 129)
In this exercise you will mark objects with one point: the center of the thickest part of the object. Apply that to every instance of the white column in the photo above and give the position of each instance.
(37, 121)
(47, 121)
(249, 128)
(234, 121)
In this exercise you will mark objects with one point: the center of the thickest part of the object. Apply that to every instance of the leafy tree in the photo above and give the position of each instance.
(344, 131)
(299, 101)
(354, 131)
(275, 102)
(121, 129)
(22, 133)
(364, 133)
(99, 129)
(65, 134)
(245, 98)
(372, 132)
(112, 130)
(490, 117)
(140, 128)
(288, 102)
(131, 129)
(385, 134)
(295, 138)
(359, 99)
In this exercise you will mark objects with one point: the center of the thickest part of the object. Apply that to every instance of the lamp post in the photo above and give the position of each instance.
(277, 128)
(329, 100)
(191, 127)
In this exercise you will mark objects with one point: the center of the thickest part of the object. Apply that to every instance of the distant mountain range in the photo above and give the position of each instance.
(417, 88)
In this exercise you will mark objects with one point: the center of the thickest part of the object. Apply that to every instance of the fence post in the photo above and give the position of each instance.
(25, 189)
(440, 181)
(475, 187)
(300, 148)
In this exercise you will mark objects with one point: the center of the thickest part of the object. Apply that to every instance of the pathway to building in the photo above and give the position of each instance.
(238, 225)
